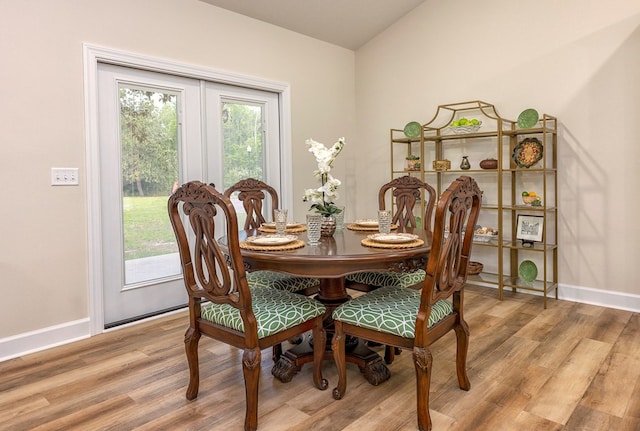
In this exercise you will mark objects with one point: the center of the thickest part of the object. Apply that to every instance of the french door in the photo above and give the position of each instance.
(157, 131)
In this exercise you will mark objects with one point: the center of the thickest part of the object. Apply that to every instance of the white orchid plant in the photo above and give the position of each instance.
(322, 199)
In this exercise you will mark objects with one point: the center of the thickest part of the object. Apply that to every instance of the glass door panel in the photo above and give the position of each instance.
(246, 123)
(242, 141)
(150, 138)
(149, 168)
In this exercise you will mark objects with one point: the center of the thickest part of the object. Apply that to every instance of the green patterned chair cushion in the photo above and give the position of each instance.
(390, 309)
(275, 311)
(399, 279)
(280, 281)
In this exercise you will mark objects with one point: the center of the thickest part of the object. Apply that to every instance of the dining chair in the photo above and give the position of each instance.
(406, 191)
(415, 319)
(253, 193)
(222, 304)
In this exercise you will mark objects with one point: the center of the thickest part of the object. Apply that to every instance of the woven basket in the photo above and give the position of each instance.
(474, 268)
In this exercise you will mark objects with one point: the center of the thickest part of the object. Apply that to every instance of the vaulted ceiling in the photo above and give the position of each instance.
(347, 23)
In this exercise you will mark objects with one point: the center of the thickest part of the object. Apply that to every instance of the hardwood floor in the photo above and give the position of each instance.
(570, 367)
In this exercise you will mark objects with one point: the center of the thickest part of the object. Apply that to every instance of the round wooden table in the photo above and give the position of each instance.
(330, 261)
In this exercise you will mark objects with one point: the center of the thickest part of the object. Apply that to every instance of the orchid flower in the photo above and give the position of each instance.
(322, 198)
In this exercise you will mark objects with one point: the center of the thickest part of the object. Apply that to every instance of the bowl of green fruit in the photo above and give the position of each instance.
(465, 125)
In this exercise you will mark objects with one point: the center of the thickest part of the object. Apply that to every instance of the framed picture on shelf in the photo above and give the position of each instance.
(529, 228)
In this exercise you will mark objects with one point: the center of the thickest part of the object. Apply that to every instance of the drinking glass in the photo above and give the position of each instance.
(384, 221)
(340, 218)
(314, 223)
(281, 221)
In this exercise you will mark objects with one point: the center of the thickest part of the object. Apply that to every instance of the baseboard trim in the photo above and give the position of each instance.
(586, 295)
(46, 338)
(58, 335)
(603, 298)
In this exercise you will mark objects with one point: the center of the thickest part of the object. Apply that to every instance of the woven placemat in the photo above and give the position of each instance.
(295, 229)
(354, 226)
(291, 246)
(370, 243)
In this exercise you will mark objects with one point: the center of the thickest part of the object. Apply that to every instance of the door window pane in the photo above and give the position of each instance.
(149, 163)
(242, 135)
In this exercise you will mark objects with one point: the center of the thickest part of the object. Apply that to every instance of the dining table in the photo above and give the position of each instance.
(347, 251)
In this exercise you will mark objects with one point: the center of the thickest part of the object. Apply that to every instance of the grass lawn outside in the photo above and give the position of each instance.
(147, 229)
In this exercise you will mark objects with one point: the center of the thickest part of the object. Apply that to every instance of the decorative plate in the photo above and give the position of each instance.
(528, 270)
(527, 153)
(367, 223)
(271, 239)
(272, 225)
(392, 238)
(412, 129)
(528, 118)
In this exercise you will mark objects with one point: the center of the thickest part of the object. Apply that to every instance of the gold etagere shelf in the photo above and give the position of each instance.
(496, 138)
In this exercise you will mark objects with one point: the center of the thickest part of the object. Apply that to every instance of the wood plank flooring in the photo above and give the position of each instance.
(569, 367)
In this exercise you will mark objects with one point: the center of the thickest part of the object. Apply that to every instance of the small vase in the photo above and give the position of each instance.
(465, 163)
(328, 227)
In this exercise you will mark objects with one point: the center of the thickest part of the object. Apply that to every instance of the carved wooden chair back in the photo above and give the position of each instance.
(204, 264)
(252, 194)
(406, 191)
(415, 319)
(446, 272)
(221, 303)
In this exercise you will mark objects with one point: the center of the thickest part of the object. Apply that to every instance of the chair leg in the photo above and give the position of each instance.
(462, 336)
(276, 352)
(390, 353)
(319, 346)
(251, 370)
(191, 338)
(423, 361)
(339, 356)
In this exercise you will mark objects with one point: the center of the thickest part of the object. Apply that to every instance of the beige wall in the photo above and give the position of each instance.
(573, 59)
(43, 256)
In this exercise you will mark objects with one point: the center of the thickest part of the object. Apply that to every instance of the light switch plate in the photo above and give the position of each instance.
(64, 176)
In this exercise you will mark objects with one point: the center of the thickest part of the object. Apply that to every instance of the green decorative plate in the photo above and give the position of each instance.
(528, 118)
(412, 129)
(528, 270)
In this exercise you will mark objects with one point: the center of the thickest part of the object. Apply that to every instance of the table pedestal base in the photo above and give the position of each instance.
(370, 363)
(332, 294)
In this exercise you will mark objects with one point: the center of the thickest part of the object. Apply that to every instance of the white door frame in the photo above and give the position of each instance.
(92, 55)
